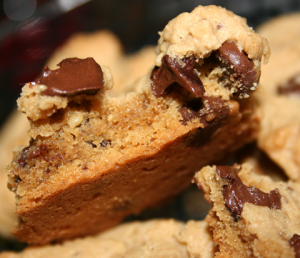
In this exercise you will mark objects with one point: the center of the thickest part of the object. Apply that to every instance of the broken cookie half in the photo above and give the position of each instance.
(251, 215)
(93, 159)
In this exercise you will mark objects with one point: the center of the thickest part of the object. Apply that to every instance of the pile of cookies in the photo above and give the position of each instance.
(98, 153)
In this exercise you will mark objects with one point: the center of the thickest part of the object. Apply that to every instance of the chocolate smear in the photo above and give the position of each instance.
(236, 193)
(172, 71)
(290, 87)
(295, 243)
(239, 66)
(75, 76)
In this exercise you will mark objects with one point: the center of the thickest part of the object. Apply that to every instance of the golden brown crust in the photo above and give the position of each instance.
(137, 183)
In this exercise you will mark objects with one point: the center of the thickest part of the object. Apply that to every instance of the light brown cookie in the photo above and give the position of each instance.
(251, 215)
(280, 99)
(281, 30)
(156, 238)
(107, 50)
(261, 163)
(95, 159)
(13, 133)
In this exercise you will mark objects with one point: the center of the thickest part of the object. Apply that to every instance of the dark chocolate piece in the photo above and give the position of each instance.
(17, 179)
(75, 76)
(241, 68)
(206, 109)
(22, 160)
(291, 87)
(295, 243)
(236, 193)
(92, 144)
(210, 111)
(38, 151)
(172, 71)
(104, 143)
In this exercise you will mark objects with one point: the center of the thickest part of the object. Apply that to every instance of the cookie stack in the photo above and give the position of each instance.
(94, 159)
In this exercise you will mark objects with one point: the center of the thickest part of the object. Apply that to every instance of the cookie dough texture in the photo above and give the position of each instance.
(94, 159)
(13, 133)
(259, 231)
(280, 128)
(206, 29)
(157, 238)
(107, 50)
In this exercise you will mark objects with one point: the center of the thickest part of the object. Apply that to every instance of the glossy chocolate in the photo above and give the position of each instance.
(75, 76)
(243, 69)
(236, 193)
(291, 87)
(295, 243)
(173, 71)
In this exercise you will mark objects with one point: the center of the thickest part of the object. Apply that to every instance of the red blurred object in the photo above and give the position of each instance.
(24, 51)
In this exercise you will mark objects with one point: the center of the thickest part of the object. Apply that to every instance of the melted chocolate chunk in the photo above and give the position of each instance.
(236, 193)
(210, 111)
(173, 71)
(239, 66)
(206, 109)
(291, 87)
(295, 243)
(75, 76)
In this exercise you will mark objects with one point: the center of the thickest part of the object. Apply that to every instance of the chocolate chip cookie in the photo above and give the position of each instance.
(280, 99)
(156, 238)
(93, 159)
(251, 215)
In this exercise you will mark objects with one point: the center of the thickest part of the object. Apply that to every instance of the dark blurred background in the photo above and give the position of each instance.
(30, 30)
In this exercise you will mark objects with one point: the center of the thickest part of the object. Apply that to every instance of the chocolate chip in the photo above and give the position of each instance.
(206, 109)
(38, 151)
(291, 87)
(92, 144)
(240, 68)
(104, 143)
(210, 111)
(47, 170)
(173, 71)
(17, 179)
(236, 193)
(75, 76)
(295, 243)
(22, 161)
